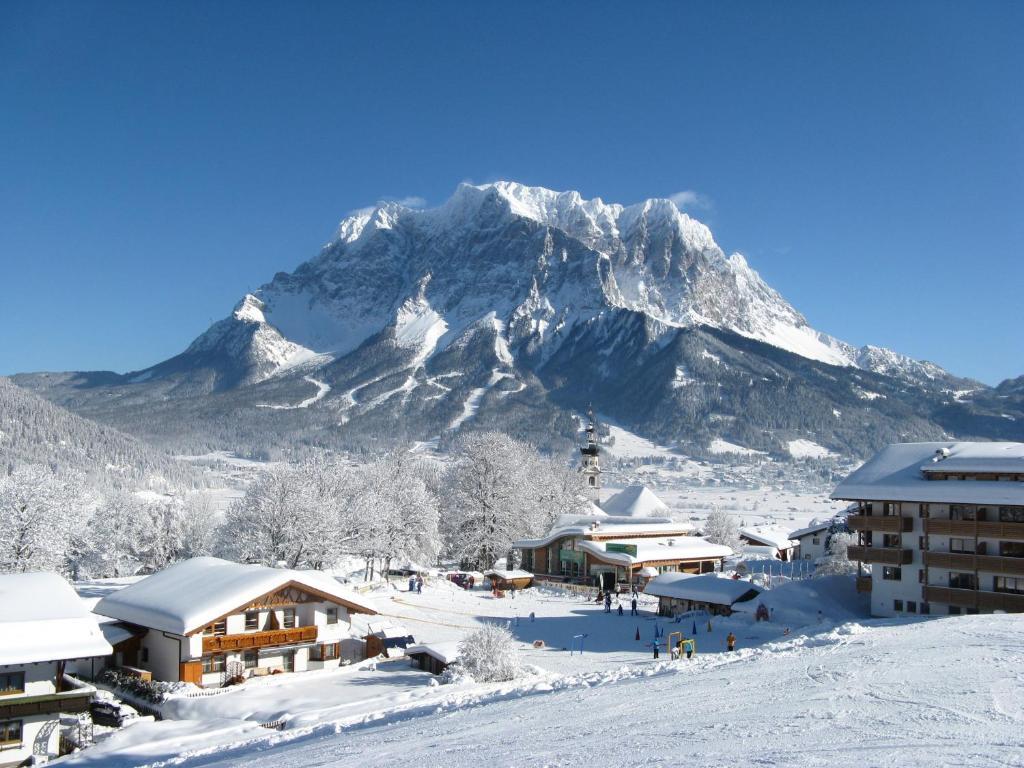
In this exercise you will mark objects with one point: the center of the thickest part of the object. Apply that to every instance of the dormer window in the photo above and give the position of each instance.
(218, 628)
(288, 618)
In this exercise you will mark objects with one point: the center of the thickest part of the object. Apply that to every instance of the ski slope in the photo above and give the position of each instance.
(940, 692)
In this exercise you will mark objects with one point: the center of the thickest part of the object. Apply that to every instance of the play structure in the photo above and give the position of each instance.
(682, 645)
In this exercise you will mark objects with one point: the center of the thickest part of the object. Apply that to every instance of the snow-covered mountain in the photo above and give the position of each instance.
(543, 262)
(510, 303)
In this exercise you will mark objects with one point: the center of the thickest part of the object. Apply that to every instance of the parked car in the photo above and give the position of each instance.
(113, 714)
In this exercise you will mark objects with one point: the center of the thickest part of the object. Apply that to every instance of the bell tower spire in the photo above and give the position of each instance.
(590, 465)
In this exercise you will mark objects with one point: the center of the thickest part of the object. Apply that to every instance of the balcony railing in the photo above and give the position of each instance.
(75, 700)
(970, 528)
(218, 643)
(970, 598)
(863, 583)
(881, 523)
(961, 561)
(881, 555)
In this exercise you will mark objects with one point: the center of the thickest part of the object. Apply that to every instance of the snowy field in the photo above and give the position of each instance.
(836, 689)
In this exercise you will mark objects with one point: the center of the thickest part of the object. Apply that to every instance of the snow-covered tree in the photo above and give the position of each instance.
(489, 654)
(836, 561)
(267, 524)
(720, 528)
(40, 513)
(113, 538)
(498, 490)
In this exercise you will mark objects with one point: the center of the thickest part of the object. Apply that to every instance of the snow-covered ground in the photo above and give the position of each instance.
(837, 689)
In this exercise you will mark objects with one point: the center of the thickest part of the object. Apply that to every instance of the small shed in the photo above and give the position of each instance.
(502, 579)
(680, 592)
(388, 640)
(434, 657)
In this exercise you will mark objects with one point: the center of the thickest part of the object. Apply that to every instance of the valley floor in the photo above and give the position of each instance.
(839, 689)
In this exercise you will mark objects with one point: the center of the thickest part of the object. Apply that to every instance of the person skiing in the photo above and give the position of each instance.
(730, 641)
(632, 606)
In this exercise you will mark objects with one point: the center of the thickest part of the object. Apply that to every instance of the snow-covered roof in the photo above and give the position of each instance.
(654, 549)
(635, 501)
(895, 474)
(618, 527)
(44, 620)
(506, 575)
(189, 595)
(115, 631)
(768, 535)
(813, 528)
(707, 588)
(445, 652)
(386, 630)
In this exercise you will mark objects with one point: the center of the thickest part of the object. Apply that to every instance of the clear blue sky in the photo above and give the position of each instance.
(159, 159)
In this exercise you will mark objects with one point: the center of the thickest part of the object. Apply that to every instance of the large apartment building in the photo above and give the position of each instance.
(941, 526)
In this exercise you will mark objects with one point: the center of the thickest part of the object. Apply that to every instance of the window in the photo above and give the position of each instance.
(325, 652)
(954, 610)
(890, 508)
(288, 660)
(891, 540)
(920, 543)
(251, 659)
(1011, 584)
(962, 581)
(11, 683)
(252, 620)
(288, 618)
(10, 733)
(815, 540)
(213, 663)
(922, 510)
(925, 609)
(1011, 549)
(961, 512)
(332, 614)
(217, 628)
(960, 546)
(920, 575)
(897, 605)
(911, 606)
(889, 573)
(1011, 514)
(593, 481)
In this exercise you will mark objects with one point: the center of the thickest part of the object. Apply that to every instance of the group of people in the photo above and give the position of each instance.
(416, 583)
(606, 596)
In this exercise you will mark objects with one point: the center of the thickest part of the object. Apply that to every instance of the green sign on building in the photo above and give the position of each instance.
(626, 549)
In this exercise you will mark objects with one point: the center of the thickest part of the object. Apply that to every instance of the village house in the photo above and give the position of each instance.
(434, 657)
(207, 621)
(503, 579)
(627, 540)
(812, 541)
(941, 527)
(769, 540)
(679, 593)
(44, 625)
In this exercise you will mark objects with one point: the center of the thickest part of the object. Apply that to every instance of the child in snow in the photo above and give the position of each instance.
(620, 609)
(632, 610)
(730, 641)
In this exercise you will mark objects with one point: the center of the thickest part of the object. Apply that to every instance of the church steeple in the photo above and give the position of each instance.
(590, 465)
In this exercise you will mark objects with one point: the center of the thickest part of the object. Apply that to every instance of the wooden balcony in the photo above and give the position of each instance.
(971, 528)
(46, 704)
(881, 523)
(958, 561)
(881, 555)
(863, 583)
(220, 643)
(970, 598)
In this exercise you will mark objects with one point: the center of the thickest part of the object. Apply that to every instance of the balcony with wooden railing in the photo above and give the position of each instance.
(244, 641)
(881, 555)
(881, 523)
(964, 561)
(972, 528)
(74, 697)
(971, 598)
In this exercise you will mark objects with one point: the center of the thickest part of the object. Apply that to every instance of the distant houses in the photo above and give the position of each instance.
(769, 540)
(207, 621)
(43, 626)
(812, 541)
(940, 525)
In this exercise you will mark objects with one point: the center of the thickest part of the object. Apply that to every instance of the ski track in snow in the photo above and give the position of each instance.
(322, 387)
(472, 404)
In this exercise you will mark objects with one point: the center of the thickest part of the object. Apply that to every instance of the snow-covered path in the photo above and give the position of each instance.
(322, 389)
(472, 404)
(939, 692)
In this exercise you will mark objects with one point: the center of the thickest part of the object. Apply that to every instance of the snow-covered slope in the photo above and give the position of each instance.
(938, 692)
